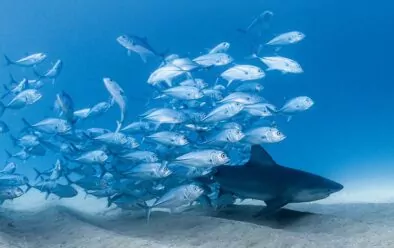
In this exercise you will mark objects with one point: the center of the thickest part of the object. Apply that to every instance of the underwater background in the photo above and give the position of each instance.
(346, 56)
(347, 135)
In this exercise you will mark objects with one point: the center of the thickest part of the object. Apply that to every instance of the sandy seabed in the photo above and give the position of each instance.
(87, 223)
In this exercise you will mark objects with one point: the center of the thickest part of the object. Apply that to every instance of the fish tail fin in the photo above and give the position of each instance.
(8, 155)
(28, 187)
(242, 31)
(47, 195)
(148, 210)
(7, 91)
(2, 108)
(164, 54)
(38, 173)
(252, 56)
(118, 126)
(272, 110)
(26, 123)
(69, 182)
(13, 140)
(8, 61)
(110, 200)
(103, 171)
(12, 80)
(37, 74)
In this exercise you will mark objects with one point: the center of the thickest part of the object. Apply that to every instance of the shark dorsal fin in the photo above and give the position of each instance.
(260, 157)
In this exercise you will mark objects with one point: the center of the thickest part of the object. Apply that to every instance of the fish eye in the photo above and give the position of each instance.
(223, 155)
(278, 133)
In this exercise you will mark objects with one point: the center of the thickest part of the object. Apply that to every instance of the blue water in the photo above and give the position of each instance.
(346, 56)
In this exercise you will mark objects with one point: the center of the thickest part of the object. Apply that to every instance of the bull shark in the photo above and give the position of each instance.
(261, 178)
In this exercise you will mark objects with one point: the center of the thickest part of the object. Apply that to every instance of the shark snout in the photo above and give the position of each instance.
(335, 187)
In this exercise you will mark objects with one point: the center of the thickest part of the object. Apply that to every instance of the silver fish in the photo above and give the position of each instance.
(118, 96)
(285, 65)
(148, 171)
(224, 112)
(177, 198)
(243, 98)
(50, 126)
(139, 127)
(169, 138)
(184, 93)
(220, 48)
(260, 135)
(224, 137)
(260, 109)
(93, 157)
(242, 73)
(297, 104)
(21, 100)
(165, 115)
(213, 59)
(53, 72)
(138, 45)
(250, 87)
(287, 39)
(203, 158)
(28, 61)
(140, 156)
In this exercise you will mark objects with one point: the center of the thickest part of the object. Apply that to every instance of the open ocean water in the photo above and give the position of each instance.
(346, 136)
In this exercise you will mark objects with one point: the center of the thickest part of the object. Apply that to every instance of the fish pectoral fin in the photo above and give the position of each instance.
(143, 57)
(272, 207)
(129, 52)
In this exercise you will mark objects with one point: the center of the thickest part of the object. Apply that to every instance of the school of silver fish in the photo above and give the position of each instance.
(192, 125)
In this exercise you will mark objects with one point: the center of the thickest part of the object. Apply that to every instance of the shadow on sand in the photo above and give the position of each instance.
(244, 213)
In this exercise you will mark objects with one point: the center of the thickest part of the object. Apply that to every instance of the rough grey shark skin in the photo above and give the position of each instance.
(263, 179)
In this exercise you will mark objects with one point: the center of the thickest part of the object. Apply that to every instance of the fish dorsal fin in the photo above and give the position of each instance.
(260, 157)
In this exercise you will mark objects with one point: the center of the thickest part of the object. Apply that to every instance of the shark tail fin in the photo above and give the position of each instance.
(8, 61)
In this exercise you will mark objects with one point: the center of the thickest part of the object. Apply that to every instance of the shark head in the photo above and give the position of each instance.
(315, 188)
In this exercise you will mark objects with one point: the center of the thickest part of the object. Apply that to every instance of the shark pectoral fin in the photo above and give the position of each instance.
(272, 207)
